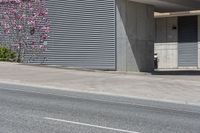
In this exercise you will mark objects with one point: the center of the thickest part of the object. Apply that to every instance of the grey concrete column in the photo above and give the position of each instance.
(135, 36)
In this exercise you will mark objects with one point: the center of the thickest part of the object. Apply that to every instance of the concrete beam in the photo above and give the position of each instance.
(172, 5)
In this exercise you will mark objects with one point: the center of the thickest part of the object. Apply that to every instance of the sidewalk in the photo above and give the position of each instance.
(178, 89)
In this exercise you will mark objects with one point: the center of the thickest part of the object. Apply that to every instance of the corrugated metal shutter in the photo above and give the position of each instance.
(187, 54)
(83, 34)
(188, 38)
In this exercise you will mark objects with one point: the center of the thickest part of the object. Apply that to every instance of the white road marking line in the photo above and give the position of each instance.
(89, 125)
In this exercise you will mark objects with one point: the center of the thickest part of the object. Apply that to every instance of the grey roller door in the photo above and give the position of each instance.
(188, 54)
(82, 34)
(188, 38)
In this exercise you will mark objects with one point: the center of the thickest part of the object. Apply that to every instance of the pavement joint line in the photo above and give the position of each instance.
(89, 125)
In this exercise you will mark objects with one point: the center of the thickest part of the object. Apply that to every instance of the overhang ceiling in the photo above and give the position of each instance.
(172, 5)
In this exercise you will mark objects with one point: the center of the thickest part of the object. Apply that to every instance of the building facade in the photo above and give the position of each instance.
(177, 41)
(105, 34)
(100, 34)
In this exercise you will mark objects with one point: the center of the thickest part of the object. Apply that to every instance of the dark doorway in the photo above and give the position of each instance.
(187, 41)
(188, 29)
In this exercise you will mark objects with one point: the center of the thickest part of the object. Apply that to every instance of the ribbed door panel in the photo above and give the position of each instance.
(188, 38)
(188, 54)
(82, 34)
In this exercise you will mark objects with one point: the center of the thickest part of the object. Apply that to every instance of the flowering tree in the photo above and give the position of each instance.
(25, 24)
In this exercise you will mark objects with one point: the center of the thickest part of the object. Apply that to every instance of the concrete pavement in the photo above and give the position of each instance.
(178, 89)
(31, 112)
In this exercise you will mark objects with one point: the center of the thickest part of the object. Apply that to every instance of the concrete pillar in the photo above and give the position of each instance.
(135, 36)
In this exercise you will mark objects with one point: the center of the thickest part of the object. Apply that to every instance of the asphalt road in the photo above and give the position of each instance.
(26, 110)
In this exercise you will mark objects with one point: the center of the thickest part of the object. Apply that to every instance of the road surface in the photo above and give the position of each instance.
(23, 110)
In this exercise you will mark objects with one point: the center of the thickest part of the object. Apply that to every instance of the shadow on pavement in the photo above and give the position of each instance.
(178, 72)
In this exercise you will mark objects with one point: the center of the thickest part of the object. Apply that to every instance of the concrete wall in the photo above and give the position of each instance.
(135, 36)
(166, 45)
(167, 55)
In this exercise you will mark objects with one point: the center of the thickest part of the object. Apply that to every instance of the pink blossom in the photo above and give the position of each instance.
(24, 22)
